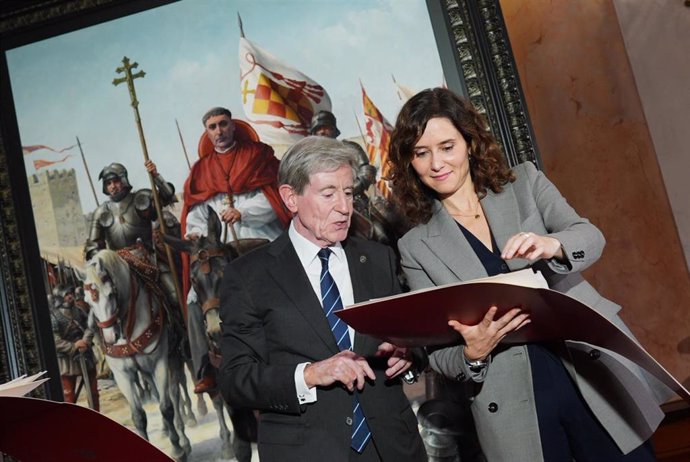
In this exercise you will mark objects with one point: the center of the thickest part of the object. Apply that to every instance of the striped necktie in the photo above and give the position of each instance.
(330, 296)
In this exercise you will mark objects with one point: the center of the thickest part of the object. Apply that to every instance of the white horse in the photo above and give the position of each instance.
(133, 327)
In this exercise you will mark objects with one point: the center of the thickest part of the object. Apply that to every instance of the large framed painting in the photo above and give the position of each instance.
(87, 83)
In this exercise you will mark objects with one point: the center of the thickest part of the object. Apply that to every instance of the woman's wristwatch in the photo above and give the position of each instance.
(478, 365)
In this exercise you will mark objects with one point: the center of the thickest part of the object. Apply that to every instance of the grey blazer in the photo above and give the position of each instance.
(624, 398)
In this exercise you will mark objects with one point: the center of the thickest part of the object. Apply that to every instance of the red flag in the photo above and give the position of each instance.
(40, 163)
(36, 147)
(377, 138)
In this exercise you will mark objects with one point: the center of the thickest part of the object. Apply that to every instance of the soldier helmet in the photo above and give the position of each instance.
(324, 119)
(62, 290)
(114, 170)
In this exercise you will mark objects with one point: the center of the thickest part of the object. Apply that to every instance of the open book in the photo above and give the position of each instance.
(22, 385)
(420, 318)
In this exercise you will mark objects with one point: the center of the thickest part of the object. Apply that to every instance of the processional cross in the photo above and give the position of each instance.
(129, 77)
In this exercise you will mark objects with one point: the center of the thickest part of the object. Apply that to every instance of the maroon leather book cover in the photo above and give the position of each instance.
(40, 430)
(421, 318)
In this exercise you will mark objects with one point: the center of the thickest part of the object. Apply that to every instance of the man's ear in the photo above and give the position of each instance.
(289, 196)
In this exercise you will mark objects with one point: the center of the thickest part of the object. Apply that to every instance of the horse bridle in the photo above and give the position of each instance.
(95, 296)
(204, 256)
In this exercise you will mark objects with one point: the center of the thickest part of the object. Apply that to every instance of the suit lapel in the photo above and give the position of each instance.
(503, 215)
(361, 275)
(292, 279)
(446, 241)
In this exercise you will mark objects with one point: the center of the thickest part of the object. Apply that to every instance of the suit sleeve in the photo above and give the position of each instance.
(582, 242)
(247, 378)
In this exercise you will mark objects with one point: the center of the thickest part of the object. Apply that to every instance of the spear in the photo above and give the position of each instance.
(184, 149)
(88, 174)
(359, 127)
(129, 77)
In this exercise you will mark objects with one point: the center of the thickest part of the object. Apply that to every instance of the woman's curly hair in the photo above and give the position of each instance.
(488, 168)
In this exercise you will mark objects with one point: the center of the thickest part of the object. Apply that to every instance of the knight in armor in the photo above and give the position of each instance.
(73, 338)
(373, 217)
(128, 221)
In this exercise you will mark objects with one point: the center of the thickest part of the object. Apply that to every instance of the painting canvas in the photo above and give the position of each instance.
(272, 63)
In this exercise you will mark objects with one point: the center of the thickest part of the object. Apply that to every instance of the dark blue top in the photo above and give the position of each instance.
(492, 261)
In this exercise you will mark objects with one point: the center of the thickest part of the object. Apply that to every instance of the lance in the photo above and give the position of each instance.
(86, 382)
(129, 77)
(60, 277)
(184, 149)
(88, 174)
(359, 127)
(72, 275)
(46, 279)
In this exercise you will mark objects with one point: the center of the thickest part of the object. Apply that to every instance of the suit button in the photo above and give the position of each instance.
(504, 267)
(493, 407)
(595, 354)
(348, 421)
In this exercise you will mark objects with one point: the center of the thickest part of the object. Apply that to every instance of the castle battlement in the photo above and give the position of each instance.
(52, 175)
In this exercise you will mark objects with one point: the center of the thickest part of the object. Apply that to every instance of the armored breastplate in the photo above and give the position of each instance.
(70, 323)
(122, 224)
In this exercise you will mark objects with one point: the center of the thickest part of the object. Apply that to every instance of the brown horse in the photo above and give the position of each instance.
(208, 256)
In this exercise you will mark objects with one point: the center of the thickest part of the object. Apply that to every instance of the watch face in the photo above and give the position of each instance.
(477, 366)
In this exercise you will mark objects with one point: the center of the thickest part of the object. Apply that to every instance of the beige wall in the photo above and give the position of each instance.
(596, 146)
(657, 42)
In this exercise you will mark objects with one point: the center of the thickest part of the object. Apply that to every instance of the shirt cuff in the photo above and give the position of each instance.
(305, 395)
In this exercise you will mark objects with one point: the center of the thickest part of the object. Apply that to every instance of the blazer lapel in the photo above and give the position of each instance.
(446, 241)
(503, 215)
(292, 279)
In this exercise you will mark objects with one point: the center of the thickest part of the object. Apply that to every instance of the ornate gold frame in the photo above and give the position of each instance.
(478, 62)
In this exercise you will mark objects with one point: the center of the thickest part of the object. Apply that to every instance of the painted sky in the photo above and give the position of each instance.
(189, 50)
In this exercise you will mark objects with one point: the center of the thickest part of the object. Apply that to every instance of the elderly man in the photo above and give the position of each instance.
(324, 391)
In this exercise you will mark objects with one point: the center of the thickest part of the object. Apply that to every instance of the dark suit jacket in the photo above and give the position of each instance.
(271, 321)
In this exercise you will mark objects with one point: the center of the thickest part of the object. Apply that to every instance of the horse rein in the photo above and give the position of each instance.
(204, 256)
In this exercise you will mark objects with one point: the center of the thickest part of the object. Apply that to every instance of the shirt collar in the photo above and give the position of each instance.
(307, 251)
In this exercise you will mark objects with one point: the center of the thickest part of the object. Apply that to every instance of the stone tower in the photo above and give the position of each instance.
(57, 209)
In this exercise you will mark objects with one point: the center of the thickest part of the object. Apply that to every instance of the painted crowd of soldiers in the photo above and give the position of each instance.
(249, 207)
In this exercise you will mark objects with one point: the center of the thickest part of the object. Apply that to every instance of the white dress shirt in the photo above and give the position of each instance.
(307, 252)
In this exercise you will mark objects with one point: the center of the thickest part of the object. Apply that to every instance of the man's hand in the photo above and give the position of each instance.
(347, 367)
(230, 215)
(399, 359)
(151, 168)
(81, 345)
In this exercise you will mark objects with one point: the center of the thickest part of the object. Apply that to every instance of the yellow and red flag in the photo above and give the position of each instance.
(278, 100)
(377, 138)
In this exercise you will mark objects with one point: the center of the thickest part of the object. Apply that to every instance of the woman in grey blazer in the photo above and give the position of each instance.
(474, 217)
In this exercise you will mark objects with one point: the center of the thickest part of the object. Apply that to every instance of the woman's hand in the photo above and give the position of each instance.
(532, 246)
(481, 339)
(399, 358)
